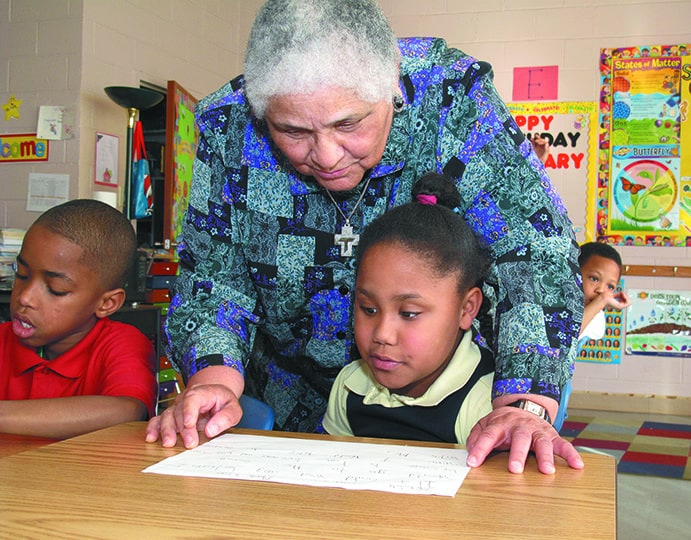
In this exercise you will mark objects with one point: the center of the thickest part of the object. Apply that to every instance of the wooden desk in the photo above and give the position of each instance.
(92, 487)
(13, 444)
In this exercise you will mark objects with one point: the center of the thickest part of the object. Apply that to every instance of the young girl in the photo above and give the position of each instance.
(417, 291)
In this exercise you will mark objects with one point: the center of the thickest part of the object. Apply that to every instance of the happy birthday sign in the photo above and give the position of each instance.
(570, 128)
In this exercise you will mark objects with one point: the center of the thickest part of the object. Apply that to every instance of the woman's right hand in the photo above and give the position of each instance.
(211, 407)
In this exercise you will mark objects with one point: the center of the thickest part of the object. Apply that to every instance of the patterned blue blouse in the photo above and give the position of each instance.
(264, 289)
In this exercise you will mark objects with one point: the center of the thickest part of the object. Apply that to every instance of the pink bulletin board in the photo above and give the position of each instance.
(536, 83)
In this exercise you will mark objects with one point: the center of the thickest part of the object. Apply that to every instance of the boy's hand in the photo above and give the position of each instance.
(541, 147)
(618, 301)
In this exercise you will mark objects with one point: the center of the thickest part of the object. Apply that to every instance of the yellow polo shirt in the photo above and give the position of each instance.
(356, 377)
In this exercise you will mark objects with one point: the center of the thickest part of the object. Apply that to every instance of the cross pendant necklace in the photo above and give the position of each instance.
(347, 239)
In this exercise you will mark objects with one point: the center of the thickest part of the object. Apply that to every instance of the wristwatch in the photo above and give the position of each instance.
(532, 407)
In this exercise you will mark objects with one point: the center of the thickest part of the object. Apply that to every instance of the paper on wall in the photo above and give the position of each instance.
(46, 191)
(55, 122)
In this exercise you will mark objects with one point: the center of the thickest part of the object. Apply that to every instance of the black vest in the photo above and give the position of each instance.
(435, 424)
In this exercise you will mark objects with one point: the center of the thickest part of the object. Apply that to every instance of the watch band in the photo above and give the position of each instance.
(532, 407)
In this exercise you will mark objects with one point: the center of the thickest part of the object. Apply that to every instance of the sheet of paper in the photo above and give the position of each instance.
(379, 467)
(46, 191)
(55, 122)
(536, 83)
(106, 159)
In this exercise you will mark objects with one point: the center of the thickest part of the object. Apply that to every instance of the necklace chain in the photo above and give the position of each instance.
(362, 196)
(347, 239)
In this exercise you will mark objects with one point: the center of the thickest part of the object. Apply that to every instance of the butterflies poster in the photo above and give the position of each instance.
(571, 129)
(644, 154)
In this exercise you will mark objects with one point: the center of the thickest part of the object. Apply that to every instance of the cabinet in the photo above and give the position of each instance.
(160, 278)
(147, 319)
(170, 135)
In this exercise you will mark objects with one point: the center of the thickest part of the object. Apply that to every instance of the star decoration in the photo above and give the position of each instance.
(12, 108)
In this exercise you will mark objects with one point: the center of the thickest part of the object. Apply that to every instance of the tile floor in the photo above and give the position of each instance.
(651, 508)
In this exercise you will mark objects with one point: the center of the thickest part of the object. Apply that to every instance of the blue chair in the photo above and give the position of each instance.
(255, 414)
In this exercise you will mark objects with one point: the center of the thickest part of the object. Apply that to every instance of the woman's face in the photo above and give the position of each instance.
(331, 135)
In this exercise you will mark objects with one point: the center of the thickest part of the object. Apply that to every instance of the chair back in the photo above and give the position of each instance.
(255, 414)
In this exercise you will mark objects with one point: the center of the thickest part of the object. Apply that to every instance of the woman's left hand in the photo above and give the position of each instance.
(509, 428)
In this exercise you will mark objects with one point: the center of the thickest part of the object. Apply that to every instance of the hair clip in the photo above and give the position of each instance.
(423, 198)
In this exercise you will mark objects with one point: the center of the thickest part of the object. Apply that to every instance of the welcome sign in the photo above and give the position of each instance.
(22, 147)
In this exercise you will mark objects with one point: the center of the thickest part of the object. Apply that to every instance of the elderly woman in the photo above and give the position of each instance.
(331, 124)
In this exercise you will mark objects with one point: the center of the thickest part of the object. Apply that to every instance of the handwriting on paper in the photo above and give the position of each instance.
(380, 467)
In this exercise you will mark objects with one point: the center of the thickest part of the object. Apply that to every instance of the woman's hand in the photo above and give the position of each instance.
(509, 428)
(211, 407)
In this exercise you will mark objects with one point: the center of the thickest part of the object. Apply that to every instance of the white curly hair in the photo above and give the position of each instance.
(299, 46)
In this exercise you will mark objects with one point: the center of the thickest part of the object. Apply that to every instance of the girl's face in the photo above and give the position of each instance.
(408, 320)
(331, 135)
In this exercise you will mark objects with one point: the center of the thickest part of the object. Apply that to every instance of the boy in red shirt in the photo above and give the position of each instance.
(65, 367)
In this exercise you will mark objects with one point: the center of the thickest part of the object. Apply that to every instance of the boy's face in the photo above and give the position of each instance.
(600, 275)
(55, 295)
(408, 321)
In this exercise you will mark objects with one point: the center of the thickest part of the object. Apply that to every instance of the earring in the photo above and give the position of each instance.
(398, 103)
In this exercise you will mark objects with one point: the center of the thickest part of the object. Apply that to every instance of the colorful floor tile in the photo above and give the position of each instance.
(644, 448)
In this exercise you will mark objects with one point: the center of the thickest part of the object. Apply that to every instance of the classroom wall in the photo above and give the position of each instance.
(64, 52)
(197, 44)
(40, 64)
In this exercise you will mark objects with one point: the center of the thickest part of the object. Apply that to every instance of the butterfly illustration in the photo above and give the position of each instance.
(628, 185)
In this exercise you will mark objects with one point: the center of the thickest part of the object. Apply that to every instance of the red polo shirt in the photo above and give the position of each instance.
(113, 359)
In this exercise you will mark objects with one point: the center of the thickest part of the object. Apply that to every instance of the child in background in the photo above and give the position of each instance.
(65, 367)
(417, 291)
(601, 270)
